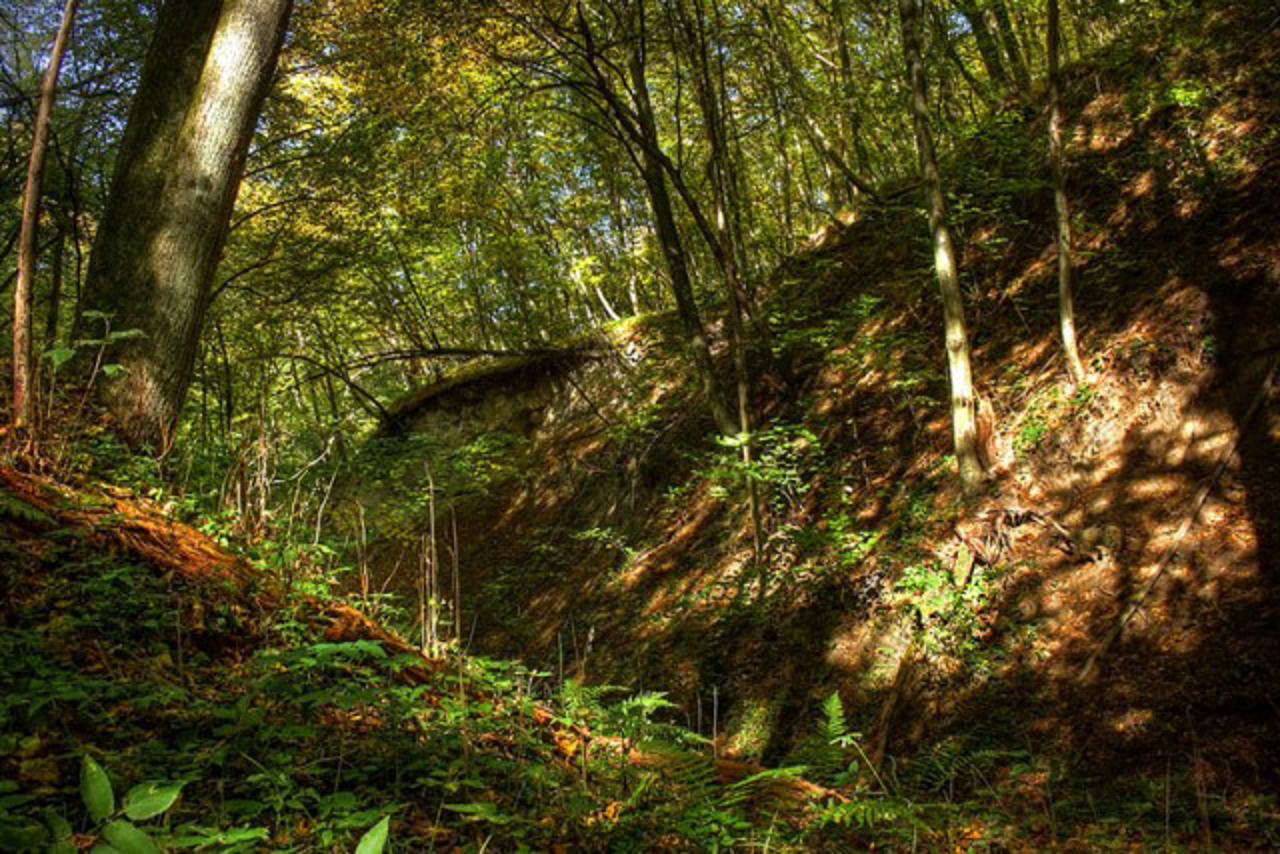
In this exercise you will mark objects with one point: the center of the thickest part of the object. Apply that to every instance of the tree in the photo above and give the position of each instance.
(203, 85)
(987, 47)
(963, 418)
(1066, 304)
(22, 375)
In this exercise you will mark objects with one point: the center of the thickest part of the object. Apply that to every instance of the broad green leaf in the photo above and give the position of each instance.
(376, 839)
(148, 800)
(59, 356)
(95, 790)
(103, 848)
(112, 370)
(63, 846)
(128, 839)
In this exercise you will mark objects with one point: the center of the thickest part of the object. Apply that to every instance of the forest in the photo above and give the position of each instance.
(557, 426)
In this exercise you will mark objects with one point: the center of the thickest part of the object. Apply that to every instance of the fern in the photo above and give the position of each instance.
(954, 761)
(829, 751)
(21, 512)
(834, 727)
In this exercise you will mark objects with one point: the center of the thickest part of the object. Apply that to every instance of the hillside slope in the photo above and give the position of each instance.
(606, 537)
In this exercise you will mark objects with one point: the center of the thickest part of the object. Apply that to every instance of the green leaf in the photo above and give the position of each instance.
(103, 848)
(376, 839)
(59, 356)
(58, 826)
(63, 846)
(112, 370)
(128, 839)
(148, 800)
(483, 811)
(95, 790)
(24, 836)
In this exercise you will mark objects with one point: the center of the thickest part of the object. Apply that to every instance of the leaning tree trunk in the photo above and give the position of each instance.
(1066, 304)
(22, 292)
(668, 233)
(1004, 24)
(206, 76)
(987, 47)
(963, 421)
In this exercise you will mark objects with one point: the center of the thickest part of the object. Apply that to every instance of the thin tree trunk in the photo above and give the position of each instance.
(203, 84)
(23, 390)
(963, 420)
(654, 174)
(55, 291)
(723, 184)
(1066, 303)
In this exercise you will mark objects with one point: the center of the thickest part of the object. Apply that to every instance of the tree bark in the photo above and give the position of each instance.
(203, 84)
(963, 421)
(1066, 302)
(987, 47)
(1011, 47)
(22, 294)
(673, 251)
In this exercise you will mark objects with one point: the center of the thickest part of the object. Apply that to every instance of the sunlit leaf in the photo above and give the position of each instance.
(376, 838)
(95, 790)
(148, 800)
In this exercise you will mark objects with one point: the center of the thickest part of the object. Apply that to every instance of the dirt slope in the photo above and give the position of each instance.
(614, 547)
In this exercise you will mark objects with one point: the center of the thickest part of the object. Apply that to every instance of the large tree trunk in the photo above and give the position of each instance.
(1066, 303)
(22, 294)
(203, 85)
(963, 421)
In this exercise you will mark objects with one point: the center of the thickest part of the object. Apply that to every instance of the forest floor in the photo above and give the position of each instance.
(1063, 632)
(1051, 666)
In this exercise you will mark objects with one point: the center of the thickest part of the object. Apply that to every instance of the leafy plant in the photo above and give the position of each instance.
(112, 823)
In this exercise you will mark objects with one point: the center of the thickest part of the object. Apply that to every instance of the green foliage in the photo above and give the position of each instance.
(947, 616)
(783, 456)
(375, 840)
(95, 790)
(53, 834)
(20, 511)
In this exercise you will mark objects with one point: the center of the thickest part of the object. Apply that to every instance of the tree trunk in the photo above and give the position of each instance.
(724, 182)
(963, 422)
(22, 294)
(1066, 304)
(203, 84)
(1011, 47)
(673, 251)
(55, 291)
(668, 233)
(987, 47)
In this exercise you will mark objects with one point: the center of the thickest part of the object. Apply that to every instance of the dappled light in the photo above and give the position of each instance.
(640, 425)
